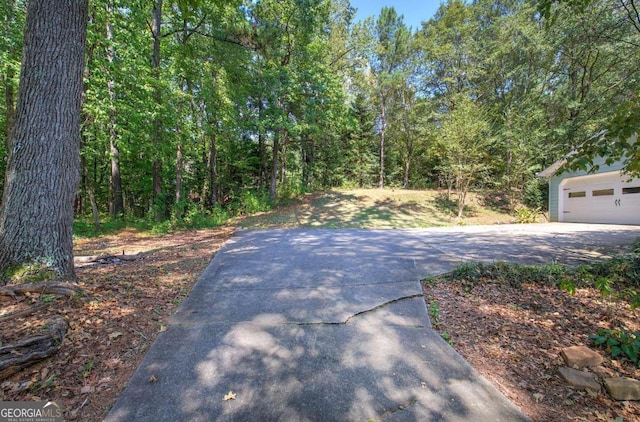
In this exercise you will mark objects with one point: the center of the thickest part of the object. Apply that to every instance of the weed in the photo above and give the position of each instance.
(618, 343)
(43, 384)
(434, 312)
(49, 298)
(88, 367)
(447, 337)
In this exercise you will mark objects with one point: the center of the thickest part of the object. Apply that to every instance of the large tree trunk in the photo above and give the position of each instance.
(43, 170)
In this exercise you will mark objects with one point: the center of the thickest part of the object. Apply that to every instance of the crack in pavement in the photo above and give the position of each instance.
(375, 308)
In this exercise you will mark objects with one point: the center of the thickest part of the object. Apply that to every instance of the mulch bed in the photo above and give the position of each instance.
(513, 336)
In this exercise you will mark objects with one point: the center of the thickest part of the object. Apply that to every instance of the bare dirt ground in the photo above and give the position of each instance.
(109, 331)
(513, 337)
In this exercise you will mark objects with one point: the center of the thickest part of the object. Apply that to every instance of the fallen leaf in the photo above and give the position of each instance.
(230, 396)
(153, 378)
(87, 389)
(538, 397)
(115, 335)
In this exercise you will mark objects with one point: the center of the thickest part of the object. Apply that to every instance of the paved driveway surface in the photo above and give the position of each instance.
(331, 325)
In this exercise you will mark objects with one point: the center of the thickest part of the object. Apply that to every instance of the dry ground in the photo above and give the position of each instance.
(513, 337)
(109, 331)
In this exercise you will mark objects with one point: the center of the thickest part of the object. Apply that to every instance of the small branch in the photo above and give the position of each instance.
(102, 258)
(140, 334)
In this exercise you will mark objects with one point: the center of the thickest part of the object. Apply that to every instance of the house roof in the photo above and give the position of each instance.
(553, 168)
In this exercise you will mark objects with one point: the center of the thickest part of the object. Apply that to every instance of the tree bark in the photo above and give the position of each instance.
(43, 169)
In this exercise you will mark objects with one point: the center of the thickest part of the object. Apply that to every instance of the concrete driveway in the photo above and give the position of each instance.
(331, 325)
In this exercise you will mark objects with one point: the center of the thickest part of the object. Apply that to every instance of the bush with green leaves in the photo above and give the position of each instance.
(617, 277)
(619, 343)
(535, 194)
(526, 215)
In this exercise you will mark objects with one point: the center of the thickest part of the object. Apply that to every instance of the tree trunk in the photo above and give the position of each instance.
(43, 170)
(407, 169)
(117, 201)
(274, 169)
(212, 196)
(262, 148)
(383, 124)
(408, 140)
(92, 197)
(179, 171)
(160, 206)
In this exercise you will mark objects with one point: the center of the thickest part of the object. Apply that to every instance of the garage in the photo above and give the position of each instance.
(609, 198)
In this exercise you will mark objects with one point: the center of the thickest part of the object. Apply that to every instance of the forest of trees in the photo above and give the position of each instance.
(193, 106)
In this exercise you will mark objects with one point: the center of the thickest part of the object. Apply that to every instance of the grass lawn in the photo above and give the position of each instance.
(380, 209)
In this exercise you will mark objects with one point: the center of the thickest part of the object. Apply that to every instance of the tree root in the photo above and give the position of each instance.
(15, 357)
(63, 289)
(23, 313)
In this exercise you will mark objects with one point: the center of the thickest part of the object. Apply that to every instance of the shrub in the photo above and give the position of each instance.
(618, 343)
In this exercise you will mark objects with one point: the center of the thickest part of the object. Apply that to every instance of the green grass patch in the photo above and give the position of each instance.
(376, 209)
(193, 219)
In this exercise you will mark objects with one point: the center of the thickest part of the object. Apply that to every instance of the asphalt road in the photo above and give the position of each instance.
(331, 325)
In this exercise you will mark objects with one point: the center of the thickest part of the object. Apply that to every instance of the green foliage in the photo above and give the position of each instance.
(434, 313)
(28, 273)
(616, 278)
(619, 343)
(251, 203)
(446, 337)
(536, 193)
(482, 95)
(49, 298)
(526, 215)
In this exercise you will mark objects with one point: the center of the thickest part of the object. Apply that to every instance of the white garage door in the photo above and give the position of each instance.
(601, 198)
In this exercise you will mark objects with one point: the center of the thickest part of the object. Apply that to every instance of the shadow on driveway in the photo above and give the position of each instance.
(331, 325)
